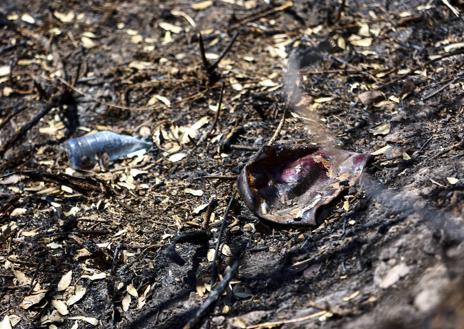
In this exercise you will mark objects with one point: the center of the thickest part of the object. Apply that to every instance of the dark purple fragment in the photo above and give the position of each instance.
(288, 184)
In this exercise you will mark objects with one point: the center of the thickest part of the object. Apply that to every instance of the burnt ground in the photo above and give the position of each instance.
(131, 244)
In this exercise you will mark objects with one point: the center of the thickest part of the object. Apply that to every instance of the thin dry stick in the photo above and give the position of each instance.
(253, 17)
(213, 297)
(218, 112)
(452, 8)
(282, 322)
(446, 85)
(203, 52)
(218, 243)
(225, 51)
(279, 127)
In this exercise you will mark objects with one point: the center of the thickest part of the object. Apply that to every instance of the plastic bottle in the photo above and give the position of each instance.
(83, 152)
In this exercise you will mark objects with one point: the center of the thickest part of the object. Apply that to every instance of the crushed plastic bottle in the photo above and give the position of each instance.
(83, 152)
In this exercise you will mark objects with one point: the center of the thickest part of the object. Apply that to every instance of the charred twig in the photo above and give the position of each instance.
(225, 51)
(24, 129)
(218, 243)
(218, 112)
(438, 90)
(209, 210)
(446, 150)
(216, 119)
(11, 116)
(211, 68)
(203, 52)
(81, 185)
(196, 237)
(267, 12)
(224, 177)
(213, 297)
(116, 106)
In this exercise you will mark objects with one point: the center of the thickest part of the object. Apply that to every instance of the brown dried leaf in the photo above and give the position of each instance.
(33, 299)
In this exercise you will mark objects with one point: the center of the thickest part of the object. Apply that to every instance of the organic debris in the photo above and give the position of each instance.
(288, 184)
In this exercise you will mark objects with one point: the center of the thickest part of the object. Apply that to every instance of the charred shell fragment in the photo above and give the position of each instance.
(288, 184)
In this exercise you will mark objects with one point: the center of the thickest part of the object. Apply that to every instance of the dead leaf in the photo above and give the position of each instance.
(92, 321)
(78, 294)
(65, 17)
(28, 18)
(18, 212)
(177, 157)
(382, 150)
(5, 70)
(5, 324)
(211, 254)
(87, 42)
(369, 97)
(452, 180)
(383, 129)
(60, 306)
(200, 208)
(142, 299)
(33, 299)
(65, 281)
(132, 291)
(202, 5)
(360, 42)
(22, 278)
(126, 302)
(226, 250)
(170, 27)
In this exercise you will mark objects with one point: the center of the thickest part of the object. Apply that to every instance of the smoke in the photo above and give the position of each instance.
(404, 202)
(300, 103)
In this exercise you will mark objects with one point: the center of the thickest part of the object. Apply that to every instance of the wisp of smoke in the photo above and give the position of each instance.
(403, 202)
(299, 103)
